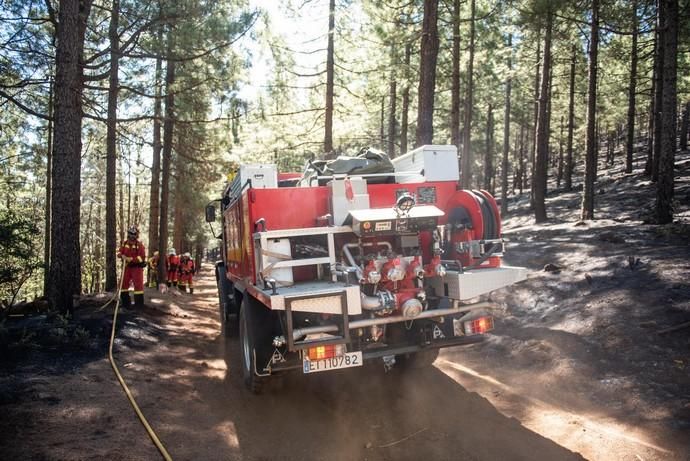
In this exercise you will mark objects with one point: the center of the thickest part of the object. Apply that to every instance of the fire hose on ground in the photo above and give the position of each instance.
(133, 402)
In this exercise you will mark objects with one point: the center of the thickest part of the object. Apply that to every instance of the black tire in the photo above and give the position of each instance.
(254, 342)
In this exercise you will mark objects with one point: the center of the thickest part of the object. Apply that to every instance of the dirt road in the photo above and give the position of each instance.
(186, 380)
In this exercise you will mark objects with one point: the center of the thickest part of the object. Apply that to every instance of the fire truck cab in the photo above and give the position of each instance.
(325, 271)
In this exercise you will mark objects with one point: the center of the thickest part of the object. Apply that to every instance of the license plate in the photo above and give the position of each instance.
(349, 360)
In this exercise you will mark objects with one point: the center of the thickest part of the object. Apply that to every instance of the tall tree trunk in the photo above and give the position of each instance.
(382, 121)
(489, 154)
(651, 120)
(121, 186)
(664, 192)
(571, 124)
(168, 126)
(466, 160)
(427, 74)
(330, 65)
(658, 87)
(632, 88)
(506, 134)
(392, 95)
(455, 79)
(533, 150)
(178, 215)
(559, 176)
(542, 134)
(405, 109)
(154, 199)
(65, 254)
(49, 178)
(522, 177)
(111, 150)
(684, 125)
(97, 252)
(591, 142)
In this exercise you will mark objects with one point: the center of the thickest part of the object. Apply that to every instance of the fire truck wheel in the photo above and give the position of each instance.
(422, 359)
(252, 339)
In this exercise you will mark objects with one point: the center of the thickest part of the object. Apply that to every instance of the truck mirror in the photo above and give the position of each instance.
(210, 213)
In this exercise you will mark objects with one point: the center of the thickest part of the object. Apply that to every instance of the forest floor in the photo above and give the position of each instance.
(579, 365)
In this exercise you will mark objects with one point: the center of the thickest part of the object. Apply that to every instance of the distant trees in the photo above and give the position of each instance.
(163, 104)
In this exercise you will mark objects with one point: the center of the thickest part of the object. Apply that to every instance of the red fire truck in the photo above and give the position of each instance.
(326, 270)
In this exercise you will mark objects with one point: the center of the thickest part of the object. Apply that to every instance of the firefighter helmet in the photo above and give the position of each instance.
(188, 254)
(133, 232)
(172, 252)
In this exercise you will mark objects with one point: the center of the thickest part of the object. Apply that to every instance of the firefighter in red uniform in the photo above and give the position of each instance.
(171, 266)
(133, 255)
(187, 270)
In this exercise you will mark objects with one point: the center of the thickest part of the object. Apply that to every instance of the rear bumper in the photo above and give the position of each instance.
(295, 363)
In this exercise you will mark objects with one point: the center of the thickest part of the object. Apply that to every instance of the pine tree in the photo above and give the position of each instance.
(65, 270)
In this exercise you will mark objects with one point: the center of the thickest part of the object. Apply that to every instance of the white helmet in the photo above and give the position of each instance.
(188, 254)
(172, 252)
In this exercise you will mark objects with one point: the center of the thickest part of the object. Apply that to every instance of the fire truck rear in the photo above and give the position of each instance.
(328, 271)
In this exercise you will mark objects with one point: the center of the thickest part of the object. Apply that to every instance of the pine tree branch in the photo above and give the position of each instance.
(23, 106)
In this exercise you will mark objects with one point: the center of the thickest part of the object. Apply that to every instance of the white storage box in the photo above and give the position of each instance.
(261, 176)
(428, 163)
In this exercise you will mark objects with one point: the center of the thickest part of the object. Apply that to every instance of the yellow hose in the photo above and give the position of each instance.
(141, 416)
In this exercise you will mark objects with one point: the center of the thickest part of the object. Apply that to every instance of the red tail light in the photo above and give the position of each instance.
(325, 352)
(479, 325)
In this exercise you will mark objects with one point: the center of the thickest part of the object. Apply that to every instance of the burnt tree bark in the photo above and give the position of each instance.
(665, 186)
(65, 253)
(466, 160)
(427, 74)
(111, 150)
(541, 135)
(632, 88)
(587, 212)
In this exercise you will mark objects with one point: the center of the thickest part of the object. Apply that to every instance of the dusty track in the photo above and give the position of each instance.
(186, 379)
